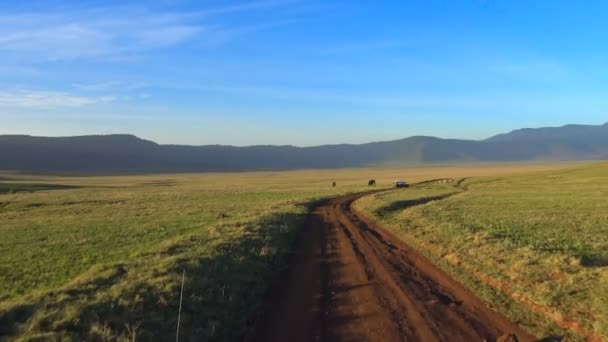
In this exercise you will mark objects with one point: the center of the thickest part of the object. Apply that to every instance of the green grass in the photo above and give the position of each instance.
(101, 258)
(534, 245)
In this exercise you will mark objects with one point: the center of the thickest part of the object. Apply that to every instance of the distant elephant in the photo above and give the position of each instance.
(372, 182)
(333, 184)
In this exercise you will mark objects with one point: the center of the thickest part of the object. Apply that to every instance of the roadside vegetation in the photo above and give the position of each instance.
(535, 246)
(104, 260)
(101, 258)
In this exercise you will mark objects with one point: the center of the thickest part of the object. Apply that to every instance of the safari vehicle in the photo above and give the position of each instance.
(400, 184)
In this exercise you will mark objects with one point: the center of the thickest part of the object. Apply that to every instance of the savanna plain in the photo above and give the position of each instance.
(102, 258)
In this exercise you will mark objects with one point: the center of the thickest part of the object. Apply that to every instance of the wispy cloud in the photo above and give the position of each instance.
(48, 99)
(60, 36)
(220, 36)
(362, 46)
(355, 98)
(251, 5)
(112, 86)
(533, 69)
(112, 32)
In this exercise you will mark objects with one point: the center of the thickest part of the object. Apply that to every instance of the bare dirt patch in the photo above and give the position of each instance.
(350, 280)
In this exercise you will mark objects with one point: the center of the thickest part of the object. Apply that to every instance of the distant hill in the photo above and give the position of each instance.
(546, 134)
(108, 154)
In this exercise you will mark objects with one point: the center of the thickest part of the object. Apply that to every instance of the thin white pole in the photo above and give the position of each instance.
(179, 313)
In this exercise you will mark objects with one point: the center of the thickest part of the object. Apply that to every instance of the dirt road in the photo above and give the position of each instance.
(352, 281)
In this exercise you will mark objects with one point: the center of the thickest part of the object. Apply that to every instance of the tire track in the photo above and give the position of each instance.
(350, 280)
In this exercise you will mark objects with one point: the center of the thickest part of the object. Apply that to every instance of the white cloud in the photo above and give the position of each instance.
(47, 99)
(113, 86)
(252, 5)
(57, 36)
(112, 32)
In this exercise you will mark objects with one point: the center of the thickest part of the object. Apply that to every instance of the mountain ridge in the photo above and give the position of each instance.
(127, 153)
(570, 130)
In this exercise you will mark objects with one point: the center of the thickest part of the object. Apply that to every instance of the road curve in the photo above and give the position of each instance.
(349, 280)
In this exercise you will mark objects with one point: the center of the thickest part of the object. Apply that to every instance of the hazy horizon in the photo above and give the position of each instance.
(286, 144)
(303, 73)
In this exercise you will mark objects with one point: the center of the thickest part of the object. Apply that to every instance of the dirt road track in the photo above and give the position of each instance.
(351, 281)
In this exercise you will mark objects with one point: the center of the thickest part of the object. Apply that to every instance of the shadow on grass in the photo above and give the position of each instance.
(594, 260)
(12, 188)
(405, 204)
(587, 257)
(552, 339)
(223, 292)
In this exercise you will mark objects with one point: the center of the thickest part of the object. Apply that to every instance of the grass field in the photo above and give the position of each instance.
(102, 257)
(533, 245)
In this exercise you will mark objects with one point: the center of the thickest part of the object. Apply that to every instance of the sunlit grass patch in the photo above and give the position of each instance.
(539, 239)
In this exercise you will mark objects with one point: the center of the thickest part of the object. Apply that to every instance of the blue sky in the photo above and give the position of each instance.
(300, 72)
